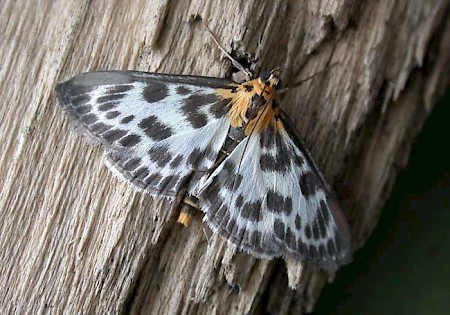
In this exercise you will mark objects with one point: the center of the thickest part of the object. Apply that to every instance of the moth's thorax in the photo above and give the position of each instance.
(253, 105)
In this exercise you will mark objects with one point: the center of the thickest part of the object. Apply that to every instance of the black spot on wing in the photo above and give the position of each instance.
(226, 216)
(182, 90)
(269, 138)
(112, 114)
(213, 190)
(127, 119)
(312, 251)
(220, 212)
(234, 135)
(320, 221)
(132, 164)
(298, 222)
(83, 109)
(141, 172)
(301, 245)
(110, 98)
(284, 157)
(315, 230)
(297, 159)
(325, 212)
(198, 100)
(130, 140)
(255, 239)
(160, 155)
(278, 229)
(228, 170)
(119, 89)
(239, 201)
(153, 179)
(79, 99)
(155, 129)
(267, 162)
(308, 232)
(220, 108)
(238, 234)
(169, 182)
(210, 154)
(155, 92)
(277, 203)
(191, 107)
(100, 128)
(194, 157)
(309, 184)
(176, 161)
(322, 251)
(251, 211)
(331, 248)
(233, 182)
(113, 135)
(278, 157)
(108, 102)
(107, 106)
(290, 239)
(89, 119)
(231, 224)
(270, 163)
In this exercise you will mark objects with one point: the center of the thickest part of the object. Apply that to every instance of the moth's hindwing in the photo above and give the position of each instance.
(269, 198)
(155, 128)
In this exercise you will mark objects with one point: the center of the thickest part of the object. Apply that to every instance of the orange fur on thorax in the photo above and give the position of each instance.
(241, 100)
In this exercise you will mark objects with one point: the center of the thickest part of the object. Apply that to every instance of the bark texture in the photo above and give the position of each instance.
(75, 240)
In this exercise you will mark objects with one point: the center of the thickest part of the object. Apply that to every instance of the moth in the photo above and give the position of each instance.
(221, 147)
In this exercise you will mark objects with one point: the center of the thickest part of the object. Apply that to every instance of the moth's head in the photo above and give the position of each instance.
(271, 78)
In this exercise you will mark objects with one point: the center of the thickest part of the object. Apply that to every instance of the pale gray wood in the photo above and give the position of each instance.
(76, 240)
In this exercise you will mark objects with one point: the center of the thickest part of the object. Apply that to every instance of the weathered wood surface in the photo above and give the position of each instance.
(75, 240)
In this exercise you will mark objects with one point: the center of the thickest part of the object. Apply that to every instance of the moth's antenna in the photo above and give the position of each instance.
(298, 83)
(235, 63)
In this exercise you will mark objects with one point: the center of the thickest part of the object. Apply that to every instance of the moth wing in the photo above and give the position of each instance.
(156, 128)
(271, 201)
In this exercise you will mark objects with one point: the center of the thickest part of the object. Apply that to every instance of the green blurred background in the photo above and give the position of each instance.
(404, 268)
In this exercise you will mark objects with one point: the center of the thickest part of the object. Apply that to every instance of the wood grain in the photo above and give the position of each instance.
(75, 240)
